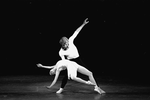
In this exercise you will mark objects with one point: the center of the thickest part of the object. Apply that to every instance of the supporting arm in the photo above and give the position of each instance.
(55, 79)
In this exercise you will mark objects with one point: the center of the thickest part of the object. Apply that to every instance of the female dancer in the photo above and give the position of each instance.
(72, 68)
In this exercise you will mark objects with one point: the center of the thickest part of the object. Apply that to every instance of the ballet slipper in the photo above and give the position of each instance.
(60, 90)
(99, 90)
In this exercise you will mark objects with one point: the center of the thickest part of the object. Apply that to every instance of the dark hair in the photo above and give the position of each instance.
(63, 42)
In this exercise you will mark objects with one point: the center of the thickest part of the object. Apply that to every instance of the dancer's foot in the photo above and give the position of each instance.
(60, 90)
(102, 91)
(48, 87)
(99, 90)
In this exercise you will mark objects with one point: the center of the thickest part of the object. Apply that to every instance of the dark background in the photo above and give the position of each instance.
(113, 45)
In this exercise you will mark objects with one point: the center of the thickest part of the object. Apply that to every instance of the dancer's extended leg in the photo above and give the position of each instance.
(85, 71)
(90, 75)
(79, 80)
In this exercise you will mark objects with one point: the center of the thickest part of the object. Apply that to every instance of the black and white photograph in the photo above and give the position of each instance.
(75, 50)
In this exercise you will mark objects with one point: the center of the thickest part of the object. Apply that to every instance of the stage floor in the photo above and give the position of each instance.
(33, 88)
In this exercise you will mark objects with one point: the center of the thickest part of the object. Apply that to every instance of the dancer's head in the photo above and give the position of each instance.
(64, 43)
(52, 71)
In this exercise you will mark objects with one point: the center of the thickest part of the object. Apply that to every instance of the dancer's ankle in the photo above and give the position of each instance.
(96, 87)
(61, 88)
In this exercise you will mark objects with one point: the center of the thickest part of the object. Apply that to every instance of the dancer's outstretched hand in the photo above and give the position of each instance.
(39, 65)
(86, 21)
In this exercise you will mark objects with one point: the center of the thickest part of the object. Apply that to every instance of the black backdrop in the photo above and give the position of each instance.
(114, 43)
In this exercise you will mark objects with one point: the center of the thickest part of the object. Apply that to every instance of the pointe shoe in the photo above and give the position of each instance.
(60, 90)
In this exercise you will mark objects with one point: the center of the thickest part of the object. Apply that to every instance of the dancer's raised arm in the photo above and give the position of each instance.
(79, 29)
(48, 67)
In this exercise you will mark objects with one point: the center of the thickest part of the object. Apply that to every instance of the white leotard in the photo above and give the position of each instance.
(71, 66)
(71, 52)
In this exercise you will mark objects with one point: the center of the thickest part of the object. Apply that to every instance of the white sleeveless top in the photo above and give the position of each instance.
(71, 52)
